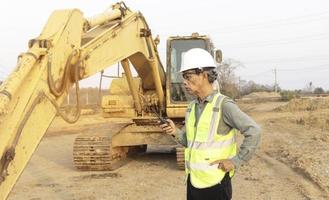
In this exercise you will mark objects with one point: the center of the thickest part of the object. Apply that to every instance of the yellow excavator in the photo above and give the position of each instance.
(71, 48)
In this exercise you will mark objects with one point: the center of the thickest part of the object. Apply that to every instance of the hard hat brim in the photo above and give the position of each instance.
(201, 68)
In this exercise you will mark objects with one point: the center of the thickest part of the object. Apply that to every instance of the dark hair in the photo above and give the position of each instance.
(212, 74)
(211, 71)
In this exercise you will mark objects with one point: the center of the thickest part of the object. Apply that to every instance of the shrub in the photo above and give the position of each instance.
(288, 95)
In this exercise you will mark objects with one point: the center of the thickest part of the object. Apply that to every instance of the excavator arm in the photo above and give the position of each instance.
(70, 48)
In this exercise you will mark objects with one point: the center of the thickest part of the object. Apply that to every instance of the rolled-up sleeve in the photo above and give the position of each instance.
(235, 118)
(180, 136)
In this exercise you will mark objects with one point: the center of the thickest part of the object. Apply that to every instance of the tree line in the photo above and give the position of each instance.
(234, 87)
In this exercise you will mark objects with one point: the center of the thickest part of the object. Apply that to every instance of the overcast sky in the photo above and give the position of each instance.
(290, 35)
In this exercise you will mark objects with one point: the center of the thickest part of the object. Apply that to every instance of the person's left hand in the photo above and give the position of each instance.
(225, 164)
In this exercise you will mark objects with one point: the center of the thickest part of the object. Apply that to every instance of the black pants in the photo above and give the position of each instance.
(222, 191)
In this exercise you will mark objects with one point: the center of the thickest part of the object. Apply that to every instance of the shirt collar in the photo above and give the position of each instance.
(208, 99)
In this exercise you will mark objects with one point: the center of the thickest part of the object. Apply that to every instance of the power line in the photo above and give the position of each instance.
(257, 74)
(316, 68)
(305, 38)
(278, 22)
(310, 58)
(268, 72)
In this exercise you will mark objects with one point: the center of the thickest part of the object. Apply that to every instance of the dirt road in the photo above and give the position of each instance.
(292, 163)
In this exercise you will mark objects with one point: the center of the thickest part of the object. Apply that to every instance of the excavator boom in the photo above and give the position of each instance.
(70, 48)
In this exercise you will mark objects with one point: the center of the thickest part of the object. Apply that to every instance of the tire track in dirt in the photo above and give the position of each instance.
(306, 186)
(155, 176)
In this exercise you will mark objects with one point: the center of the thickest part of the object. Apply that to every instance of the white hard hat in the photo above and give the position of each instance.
(196, 59)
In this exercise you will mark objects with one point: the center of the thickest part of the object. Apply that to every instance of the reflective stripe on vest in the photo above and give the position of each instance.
(213, 144)
(205, 145)
(202, 166)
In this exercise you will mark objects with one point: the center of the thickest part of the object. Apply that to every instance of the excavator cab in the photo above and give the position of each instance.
(177, 96)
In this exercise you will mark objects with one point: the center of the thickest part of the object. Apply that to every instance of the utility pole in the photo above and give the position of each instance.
(275, 81)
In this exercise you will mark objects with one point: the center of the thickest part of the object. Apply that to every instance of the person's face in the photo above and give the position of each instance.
(193, 81)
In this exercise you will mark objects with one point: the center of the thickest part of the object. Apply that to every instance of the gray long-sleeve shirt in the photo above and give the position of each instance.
(232, 117)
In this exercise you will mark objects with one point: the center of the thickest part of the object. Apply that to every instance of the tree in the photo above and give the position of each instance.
(318, 90)
(247, 87)
(227, 80)
(309, 88)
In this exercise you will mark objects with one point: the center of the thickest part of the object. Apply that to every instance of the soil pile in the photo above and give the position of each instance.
(306, 104)
(315, 120)
(256, 97)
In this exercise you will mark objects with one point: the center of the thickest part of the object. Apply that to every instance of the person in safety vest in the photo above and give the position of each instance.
(209, 135)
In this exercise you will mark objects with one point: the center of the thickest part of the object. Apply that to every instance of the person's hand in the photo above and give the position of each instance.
(225, 164)
(169, 127)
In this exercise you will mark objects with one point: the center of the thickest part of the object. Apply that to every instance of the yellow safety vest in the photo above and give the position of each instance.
(204, 145)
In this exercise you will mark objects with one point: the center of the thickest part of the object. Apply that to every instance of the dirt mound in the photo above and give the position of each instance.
(305, 104)
(315, 120)
(256, 97)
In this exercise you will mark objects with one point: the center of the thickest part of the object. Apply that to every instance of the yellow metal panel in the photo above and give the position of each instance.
(29, 111)
(120, 85)
(176, 112)
(138, 135)
(31, 135)
(127, 41)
